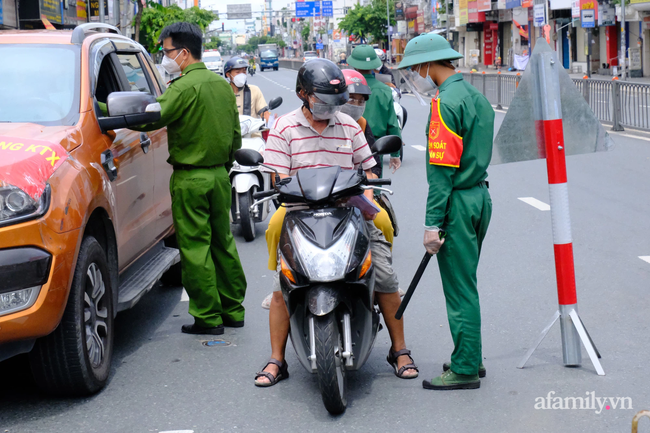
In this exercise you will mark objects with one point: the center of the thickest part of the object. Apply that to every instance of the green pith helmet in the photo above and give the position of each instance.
(364, 57)
(427, 48)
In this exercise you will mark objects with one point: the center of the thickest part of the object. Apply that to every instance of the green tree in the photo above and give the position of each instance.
(214, 43)
(156, 17)
(369, 22)
(305, 32)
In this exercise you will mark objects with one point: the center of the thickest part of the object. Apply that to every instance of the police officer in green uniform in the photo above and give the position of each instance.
(379, 112)
(459, 135)
(203, 133)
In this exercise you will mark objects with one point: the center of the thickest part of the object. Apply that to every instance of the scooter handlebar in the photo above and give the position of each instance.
(264, 194)
(378, 182)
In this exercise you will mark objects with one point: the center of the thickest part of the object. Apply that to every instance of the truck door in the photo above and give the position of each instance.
(162, 170)
(133, 187)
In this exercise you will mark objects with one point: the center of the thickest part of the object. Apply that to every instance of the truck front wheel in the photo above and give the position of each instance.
(75, 359)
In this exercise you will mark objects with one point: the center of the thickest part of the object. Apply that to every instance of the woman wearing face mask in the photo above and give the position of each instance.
(250, 101)
(359, 93)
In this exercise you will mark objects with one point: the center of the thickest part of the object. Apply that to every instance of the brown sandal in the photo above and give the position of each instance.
(283, 374)
(399, 372)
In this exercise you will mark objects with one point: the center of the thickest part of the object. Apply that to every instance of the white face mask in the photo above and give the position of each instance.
(239, 80)
(170, 64)
(354, 111)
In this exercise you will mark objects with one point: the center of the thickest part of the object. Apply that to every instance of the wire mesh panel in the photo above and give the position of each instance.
(635, 105)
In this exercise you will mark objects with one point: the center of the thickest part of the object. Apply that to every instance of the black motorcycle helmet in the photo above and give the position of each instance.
(234, 63)
(325, 80)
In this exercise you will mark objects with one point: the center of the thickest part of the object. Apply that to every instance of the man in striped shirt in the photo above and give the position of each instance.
(319, 135)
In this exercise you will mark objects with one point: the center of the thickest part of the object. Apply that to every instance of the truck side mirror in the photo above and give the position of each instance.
(127, 109)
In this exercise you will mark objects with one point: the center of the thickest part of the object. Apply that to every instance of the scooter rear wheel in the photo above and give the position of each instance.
(332, 378)
(246, 217)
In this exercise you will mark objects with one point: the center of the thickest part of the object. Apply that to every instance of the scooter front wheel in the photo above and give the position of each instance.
(330, 364)
(247, 221)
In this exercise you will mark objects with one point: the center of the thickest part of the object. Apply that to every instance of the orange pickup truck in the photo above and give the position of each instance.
(85, 213)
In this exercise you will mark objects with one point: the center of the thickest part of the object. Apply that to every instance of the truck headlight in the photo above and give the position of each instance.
(16, 205)
(324, 265)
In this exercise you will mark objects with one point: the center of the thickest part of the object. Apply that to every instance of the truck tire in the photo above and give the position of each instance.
(75, 359)
(332, 378)
(173, 276)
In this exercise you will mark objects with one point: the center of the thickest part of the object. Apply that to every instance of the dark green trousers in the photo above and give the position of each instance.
(211, 271)
(467, 220)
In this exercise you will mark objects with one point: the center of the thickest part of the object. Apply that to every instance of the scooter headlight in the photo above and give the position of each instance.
(324, 265)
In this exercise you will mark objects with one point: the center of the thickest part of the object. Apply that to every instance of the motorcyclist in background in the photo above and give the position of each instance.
(383, 69)
(250, 101)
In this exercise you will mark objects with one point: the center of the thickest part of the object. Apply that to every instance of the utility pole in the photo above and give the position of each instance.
(588, 40)
(390, 50)
(101, 11)
(623, 50)
(448, 21)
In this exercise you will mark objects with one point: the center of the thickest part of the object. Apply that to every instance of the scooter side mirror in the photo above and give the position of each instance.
(275, 103)
(249, 157)
(388, 144)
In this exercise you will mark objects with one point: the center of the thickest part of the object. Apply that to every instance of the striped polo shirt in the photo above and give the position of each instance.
(293, 144)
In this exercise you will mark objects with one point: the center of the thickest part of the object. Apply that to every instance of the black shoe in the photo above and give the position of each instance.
(201, 330)
(233, 323)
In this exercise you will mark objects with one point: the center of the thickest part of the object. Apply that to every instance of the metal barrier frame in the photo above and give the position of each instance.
(619, 103)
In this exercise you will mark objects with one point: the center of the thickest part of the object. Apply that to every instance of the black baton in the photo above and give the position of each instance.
(413, 286)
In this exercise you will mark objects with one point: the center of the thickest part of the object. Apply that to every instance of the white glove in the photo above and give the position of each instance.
(432, 241)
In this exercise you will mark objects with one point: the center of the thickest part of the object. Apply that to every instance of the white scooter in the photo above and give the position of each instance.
(247, 180)
(402, 115)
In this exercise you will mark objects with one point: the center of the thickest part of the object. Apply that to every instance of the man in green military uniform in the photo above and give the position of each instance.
(459, 134)
(203, 133)
(379, 112)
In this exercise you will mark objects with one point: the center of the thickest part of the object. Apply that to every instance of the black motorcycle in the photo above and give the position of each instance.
(327, 276)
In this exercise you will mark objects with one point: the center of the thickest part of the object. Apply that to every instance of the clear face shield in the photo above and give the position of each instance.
(322, 111)
(419, 86)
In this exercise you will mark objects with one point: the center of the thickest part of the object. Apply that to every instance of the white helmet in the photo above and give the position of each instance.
(380, 54)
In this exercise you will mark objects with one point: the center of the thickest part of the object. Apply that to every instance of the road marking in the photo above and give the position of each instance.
(184, 298)
(637, 137)
(418, 147)
(645, 258)
(535, 203)
(177, 431)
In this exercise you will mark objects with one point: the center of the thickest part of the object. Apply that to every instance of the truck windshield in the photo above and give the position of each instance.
(269, 54)
(40, 84)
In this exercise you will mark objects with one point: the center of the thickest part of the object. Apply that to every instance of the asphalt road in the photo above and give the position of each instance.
(163, 380)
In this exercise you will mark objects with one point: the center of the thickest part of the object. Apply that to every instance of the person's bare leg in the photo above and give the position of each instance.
(388, 304)
(279, 327)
